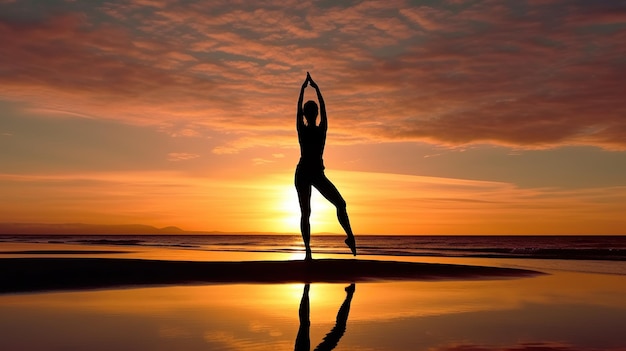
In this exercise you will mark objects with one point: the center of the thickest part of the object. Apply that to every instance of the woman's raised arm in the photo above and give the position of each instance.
(300, 114)
(320, 99)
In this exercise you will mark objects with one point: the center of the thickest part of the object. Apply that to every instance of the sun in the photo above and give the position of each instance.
(323, 213)
(289, 210)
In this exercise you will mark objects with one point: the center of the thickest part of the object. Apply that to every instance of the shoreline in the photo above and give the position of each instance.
(571, 248)
(53, 274)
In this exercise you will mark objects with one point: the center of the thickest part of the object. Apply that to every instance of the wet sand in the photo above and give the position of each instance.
(46, 274)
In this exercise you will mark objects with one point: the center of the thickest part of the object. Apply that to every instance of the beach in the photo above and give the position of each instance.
(102, 296)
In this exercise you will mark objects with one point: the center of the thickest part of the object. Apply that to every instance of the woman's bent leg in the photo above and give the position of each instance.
(330, 192)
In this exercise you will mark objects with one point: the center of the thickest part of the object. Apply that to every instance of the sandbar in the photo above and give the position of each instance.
(48, 274)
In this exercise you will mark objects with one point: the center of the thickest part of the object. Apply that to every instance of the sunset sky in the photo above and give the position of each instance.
(445, 117)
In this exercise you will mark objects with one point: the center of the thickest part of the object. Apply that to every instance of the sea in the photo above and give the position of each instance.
(576, 304)
(598, 254)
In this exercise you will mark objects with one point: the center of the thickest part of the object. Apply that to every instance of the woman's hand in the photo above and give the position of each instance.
(310, 80)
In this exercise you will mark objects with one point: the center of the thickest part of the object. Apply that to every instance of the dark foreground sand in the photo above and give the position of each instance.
(41, 274)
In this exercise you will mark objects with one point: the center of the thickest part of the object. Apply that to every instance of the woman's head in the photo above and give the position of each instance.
(310, 112)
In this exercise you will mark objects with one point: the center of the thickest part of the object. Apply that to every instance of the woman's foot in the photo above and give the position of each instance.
(308, 256)
(351, 244)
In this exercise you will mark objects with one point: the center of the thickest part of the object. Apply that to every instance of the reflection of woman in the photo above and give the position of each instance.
(303, 340)
(310, 170)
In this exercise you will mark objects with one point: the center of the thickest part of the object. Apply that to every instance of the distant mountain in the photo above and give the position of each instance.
(81, 228)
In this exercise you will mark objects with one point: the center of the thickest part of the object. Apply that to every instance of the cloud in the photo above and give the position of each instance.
(258, 161)
(413, 204)
(181, 156)
(527, 79)
(544, 75)
(225, 150)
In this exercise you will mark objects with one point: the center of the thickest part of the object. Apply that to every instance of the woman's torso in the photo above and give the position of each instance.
(312, 141)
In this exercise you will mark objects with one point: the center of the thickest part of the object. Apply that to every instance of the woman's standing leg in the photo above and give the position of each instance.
(303, 187)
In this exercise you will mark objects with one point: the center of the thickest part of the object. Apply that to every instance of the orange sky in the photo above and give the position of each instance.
(451, 117)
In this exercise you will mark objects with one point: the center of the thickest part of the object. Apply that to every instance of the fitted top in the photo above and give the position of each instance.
(312, 141)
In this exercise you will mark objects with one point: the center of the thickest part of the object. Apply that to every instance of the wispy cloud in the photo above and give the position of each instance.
(545, 74)
(391, 204)
(181, 156)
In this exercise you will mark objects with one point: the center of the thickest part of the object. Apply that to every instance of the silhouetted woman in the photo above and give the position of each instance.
(310, 169)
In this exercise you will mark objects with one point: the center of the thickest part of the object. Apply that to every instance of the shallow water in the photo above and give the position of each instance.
(563, 311)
